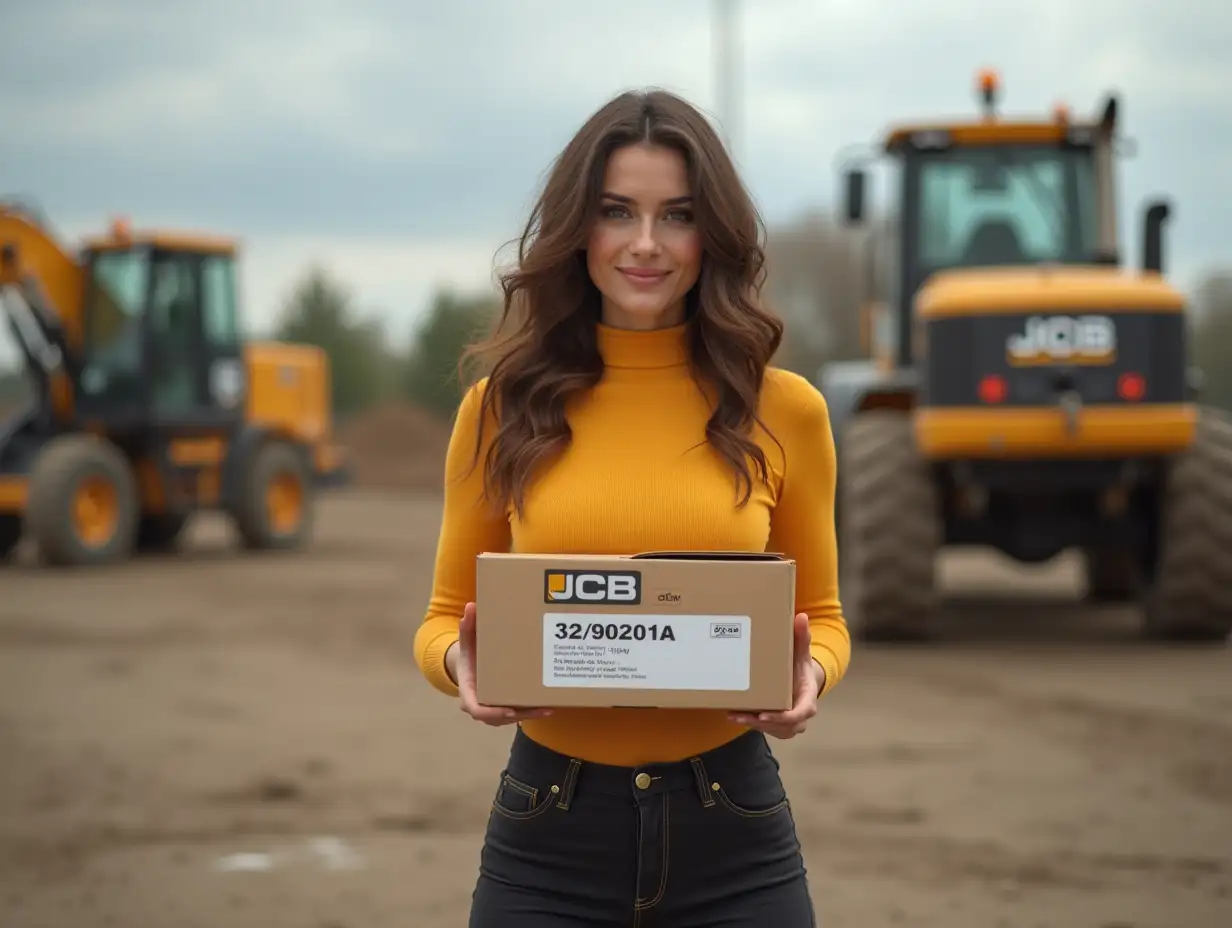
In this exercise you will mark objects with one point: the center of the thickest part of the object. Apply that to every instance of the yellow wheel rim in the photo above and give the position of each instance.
(96, 511)
(284, 503)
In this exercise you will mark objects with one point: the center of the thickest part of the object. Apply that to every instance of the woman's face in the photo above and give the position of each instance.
(644, 252)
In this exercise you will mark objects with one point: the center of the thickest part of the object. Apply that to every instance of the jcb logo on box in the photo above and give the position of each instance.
(592, 586)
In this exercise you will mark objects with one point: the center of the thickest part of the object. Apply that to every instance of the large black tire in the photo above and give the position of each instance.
(1191, 596)
(10, 535)
(57, 514)
(1112, 575)
(890, 530)
(257, 524)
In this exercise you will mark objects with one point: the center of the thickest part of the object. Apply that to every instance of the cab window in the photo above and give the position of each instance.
(1006, 205)
(219, 310)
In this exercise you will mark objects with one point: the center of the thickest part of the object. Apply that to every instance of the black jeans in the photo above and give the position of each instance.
(708, 842)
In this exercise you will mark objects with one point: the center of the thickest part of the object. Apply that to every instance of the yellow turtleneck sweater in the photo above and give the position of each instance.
(640, 476)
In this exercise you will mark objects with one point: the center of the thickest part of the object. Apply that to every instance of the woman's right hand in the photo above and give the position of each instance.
(460, 665)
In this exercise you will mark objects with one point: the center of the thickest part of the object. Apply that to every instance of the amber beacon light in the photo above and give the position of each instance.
(989, 84)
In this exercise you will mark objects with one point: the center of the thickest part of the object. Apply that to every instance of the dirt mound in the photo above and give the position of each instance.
(397, 446)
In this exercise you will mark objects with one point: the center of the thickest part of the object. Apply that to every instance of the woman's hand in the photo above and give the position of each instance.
(460, 665)
(810, 678)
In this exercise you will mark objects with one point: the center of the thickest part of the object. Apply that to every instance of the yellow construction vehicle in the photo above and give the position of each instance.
(1026, 390)
(150, 403)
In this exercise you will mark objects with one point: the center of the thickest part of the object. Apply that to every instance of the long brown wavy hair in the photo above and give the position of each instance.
(543, 350)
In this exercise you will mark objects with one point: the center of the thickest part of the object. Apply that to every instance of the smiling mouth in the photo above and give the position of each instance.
(643, 275)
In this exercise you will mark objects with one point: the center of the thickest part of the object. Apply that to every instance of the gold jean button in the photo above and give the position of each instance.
(642, 780)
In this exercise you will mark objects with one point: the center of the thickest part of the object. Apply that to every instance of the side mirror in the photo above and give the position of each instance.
(854, 184)
(1157, 213)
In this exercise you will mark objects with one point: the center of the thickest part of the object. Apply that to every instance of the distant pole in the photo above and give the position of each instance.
(726, 70)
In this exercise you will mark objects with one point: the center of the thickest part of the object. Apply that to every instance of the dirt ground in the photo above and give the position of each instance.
(218, 740)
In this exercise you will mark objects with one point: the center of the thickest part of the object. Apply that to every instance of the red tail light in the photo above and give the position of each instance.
(993, 389)
(1131, 386)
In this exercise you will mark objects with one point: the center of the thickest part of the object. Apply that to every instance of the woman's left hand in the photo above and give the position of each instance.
(809, 680)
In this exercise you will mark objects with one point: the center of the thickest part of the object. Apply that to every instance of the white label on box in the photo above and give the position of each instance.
(646, 652)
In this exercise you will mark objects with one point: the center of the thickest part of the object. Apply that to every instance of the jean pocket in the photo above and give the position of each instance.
(750, 800)
(517, 799)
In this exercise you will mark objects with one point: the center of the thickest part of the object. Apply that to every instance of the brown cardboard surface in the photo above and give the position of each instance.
(691, 629)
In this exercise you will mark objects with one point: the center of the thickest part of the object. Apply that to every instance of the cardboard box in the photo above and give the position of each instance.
(681, 629)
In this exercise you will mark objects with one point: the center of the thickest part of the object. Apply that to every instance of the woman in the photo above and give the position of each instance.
(629, 407)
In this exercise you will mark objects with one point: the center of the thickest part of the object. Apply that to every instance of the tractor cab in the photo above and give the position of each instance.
(996, 193)
(160, 336)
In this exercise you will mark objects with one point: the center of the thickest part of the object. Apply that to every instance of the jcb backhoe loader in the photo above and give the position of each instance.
(150, 403)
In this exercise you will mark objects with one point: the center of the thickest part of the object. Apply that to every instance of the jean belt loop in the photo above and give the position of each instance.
(704, 792)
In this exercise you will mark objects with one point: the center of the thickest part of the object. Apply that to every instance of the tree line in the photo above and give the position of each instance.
(365, 368)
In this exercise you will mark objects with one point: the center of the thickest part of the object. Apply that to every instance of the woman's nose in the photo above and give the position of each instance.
(646, 242)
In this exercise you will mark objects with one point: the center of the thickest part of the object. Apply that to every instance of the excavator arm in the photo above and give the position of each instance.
(40, 287)
(44, 295)
(31, 257)
(41, 345)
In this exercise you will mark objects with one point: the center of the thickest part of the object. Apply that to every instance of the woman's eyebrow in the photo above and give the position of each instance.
(671, 201)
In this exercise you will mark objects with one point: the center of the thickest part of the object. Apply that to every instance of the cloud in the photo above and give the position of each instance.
(842, 72)
(394, 134)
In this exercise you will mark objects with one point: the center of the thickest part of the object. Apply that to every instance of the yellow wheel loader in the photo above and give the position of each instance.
(151, 405)
(1026, 390)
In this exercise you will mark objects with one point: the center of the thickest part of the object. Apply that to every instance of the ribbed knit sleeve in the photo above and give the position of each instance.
(802, 523)
(468, 527)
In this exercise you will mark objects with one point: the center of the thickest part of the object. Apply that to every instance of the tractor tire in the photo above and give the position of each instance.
(84, 503)
(10, 535)
(1112, 575)
(157, 534)
(890, 530)
(1191, 597)
(277, 505)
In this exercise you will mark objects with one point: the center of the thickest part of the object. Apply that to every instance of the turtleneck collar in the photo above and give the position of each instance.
(647, 350)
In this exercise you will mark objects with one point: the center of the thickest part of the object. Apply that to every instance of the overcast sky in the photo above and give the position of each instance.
(400, 142)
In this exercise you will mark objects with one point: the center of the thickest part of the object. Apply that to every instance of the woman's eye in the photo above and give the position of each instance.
(616, 211)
